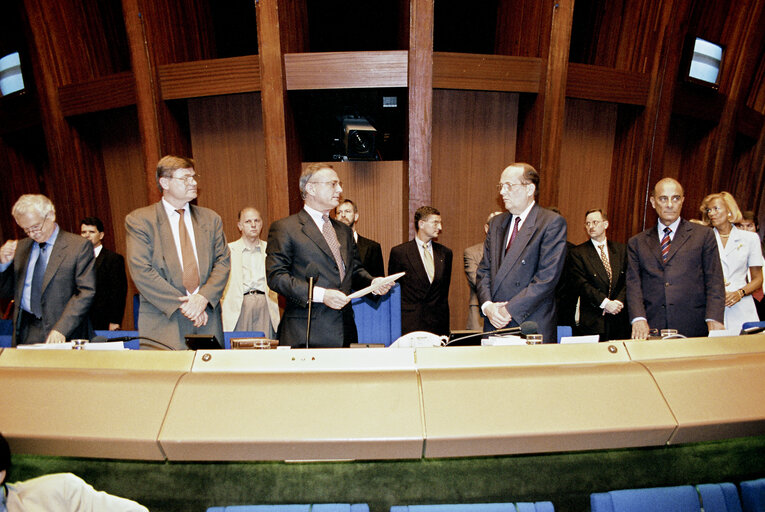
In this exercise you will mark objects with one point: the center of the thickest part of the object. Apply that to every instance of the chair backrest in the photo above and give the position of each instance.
(132, 344)
(564, 330)
(540, 506)
(6, 340)
(753, 495)
(320, 507)
(6, 326)
(747, 325)
(378, 319)
(678, 499)
(227, 335)
(719, 497)
(136, 307)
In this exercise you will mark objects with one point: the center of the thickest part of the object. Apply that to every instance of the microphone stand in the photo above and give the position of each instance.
(310, 302)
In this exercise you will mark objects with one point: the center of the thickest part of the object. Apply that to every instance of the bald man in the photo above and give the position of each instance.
(674, 275)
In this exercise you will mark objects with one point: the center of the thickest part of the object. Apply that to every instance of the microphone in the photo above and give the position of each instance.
(311, 273)
(104, 339)
(527, 327)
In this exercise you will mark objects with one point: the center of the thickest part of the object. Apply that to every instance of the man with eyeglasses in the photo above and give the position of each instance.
(312, 242)
(428, 267)
(50, 276)
(178, 259)
(674, 274)
(598, 270)
(523, 257)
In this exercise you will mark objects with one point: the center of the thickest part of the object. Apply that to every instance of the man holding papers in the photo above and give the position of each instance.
(311, 239)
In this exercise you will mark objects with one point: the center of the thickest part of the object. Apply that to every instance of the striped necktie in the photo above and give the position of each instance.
(665, 243)
(334, 245)
(190, 267)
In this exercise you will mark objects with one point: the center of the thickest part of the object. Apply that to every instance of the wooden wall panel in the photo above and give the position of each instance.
(123, 167)
(378, 189)
(474, 137)
(587, 150)
(227, 137)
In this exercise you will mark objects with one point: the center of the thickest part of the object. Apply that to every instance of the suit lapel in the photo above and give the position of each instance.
(415, 262)
(169, 251)
(519, 244)
(682, 236)
(311, 230)
(597, 264)
(651, 241)
(202, 241)
(56, 257)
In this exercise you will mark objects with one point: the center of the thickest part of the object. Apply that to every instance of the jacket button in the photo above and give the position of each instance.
(666, 285)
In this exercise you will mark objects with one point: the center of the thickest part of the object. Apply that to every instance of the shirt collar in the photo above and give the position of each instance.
(598, 244)
(673, 227)
(525, 213)
(170, 209)
(316, 215)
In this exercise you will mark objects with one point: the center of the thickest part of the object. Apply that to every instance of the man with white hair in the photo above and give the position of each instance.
(50, 276)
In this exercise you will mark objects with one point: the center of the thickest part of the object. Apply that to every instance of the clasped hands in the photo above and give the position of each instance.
(336, 299)
(193, 308)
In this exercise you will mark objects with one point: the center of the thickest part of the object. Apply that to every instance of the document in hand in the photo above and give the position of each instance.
(373, 287)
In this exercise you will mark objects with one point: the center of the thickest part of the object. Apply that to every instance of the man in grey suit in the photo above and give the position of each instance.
(311, 241)
(674, 274)
(178, 259)
(49, 275)
(472, 257)
(523, 257)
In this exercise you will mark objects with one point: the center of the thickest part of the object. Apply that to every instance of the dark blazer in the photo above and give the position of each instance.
(157, 272)
(566, 295)
(111, 290)
(526, 276)
(293, 243)
(371, 256)
(682, 293)
(424, 305)
(68, 287)
(588, 277)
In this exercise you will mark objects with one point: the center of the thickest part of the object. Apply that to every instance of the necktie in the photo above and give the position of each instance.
(331, 237)
(190, 268)
(604, 259)
(665, 244)
(513, 234)
(35, 296)
(430, 269)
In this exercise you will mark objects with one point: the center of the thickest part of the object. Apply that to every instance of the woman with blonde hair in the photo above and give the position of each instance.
(739, 253)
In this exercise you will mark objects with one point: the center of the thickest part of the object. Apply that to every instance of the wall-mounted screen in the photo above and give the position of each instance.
(705, 62)
(11, 79)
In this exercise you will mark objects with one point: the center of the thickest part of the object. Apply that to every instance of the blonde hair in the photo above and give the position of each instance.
(730, 204)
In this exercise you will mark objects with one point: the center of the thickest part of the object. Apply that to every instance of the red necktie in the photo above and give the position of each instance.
(513, 234)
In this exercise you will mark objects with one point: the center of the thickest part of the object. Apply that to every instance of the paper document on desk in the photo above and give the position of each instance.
(372, 287)
(112, 345)
(509, 339)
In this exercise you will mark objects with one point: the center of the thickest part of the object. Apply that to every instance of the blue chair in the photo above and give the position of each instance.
(321, 507)
(6, 340)
(6, 326)
(749, 325)
(564, 330)
(684, 498)
(379, 321)
(753, 495)
(132, 344)
(540, 506)
(719, 497)
(136, 307)
(227, 335)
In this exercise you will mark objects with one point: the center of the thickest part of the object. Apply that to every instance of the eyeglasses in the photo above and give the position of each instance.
(332, 184)
(501, 187)
(665, 199)
(592, 223)
(36, 228)
(188, 180)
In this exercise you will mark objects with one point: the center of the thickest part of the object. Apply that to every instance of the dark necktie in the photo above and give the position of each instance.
(331, 237)
(513, 234)
(190, 268)
(665, 242)
(35, 296)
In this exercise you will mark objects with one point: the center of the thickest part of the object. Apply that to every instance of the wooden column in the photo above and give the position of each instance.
(147, 93)
(420, 82)
(273, 93)
(554, 117)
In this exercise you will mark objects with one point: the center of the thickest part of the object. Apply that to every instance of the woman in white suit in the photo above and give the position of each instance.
(739, 253)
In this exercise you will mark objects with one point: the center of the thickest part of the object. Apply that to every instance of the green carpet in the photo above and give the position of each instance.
(566, 479)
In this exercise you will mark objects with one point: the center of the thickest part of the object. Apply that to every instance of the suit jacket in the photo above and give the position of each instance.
(68, 286)
(233, 294)
(424, 305)
(566, 296)
(683, 292)
(589, 279)
(158, 275)
(371, 256)
(293, 243)
(111, 290)
(526, 276)
(472, 257)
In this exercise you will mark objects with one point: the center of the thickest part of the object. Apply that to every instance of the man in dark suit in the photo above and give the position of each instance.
(598, 269)
(49, 275)
(311, 238)
(674, 275)
(523, 257)
(178, 259)
(369, 250)
(111, 281)
(428, 267)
